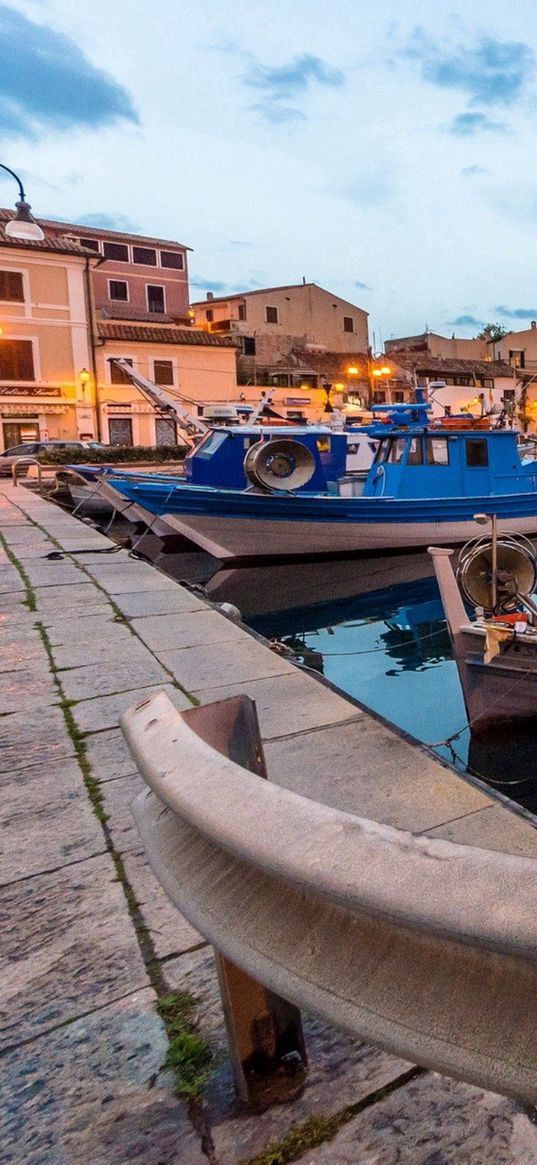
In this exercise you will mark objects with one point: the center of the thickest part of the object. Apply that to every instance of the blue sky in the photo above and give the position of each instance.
(385, 151)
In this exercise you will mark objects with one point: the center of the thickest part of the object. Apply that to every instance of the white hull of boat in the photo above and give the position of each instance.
(237, 537)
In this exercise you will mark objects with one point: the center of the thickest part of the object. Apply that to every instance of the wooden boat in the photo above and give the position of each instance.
(496, 652)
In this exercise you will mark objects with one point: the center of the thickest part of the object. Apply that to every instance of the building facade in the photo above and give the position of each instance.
(138, 277)
(443, 347)
(45, 341)
(298, 331)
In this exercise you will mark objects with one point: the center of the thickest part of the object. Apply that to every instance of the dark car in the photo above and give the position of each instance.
(31, 449)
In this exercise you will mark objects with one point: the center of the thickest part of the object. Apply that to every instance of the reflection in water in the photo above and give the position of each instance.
(388, 647)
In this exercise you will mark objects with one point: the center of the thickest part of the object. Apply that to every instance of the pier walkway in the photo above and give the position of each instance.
(89, 940)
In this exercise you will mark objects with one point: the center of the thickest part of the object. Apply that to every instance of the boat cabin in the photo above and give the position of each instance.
(218, 460)
(437, 462)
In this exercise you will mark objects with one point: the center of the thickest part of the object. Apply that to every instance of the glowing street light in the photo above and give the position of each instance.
(23, 226)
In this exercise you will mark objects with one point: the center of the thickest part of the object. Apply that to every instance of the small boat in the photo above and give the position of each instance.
(260, 494)
(496, 652)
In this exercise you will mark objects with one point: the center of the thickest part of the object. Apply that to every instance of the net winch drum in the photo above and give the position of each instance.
(516, 571)
(279, 465)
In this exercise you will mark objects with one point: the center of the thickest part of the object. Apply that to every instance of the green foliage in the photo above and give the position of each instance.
(114, 455)
(189, 1055)
(492, 332)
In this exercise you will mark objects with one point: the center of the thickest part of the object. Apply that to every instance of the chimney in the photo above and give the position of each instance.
(210, 295)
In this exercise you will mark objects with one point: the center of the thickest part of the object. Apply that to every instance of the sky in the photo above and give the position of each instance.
(385, 150)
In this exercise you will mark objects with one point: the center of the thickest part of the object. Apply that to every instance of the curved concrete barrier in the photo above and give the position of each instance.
(421, 946)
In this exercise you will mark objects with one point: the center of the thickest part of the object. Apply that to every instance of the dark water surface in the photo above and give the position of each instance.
(376, 630)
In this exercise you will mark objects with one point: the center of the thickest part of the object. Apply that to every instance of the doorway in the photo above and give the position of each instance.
(18, 432)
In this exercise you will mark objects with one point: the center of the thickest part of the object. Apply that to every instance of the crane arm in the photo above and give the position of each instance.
(187, 421)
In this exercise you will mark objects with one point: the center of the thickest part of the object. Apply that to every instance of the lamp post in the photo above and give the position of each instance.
(23, 226)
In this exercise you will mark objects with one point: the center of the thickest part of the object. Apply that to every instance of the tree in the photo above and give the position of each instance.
(492, 332)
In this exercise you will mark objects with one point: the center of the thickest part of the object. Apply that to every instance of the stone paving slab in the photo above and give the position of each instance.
(81, 630)
(69, 947)
(492, 828)
(21, 746)
(433, 1121)
(27, 689)
(363, 768)
(194, 628)
(104, 711)
(131, 578)
(109, 755)
(84, 1094)
(83, 597)
(53, 574)
(117, 651)
(46, 820)
(19, 645)
(203, 667)
(141, 603)
(81, 683)
(288, 704)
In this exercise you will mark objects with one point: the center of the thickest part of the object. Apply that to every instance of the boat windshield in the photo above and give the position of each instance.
(212, 442)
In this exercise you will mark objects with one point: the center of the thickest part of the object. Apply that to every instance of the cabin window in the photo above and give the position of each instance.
(436, 451)
(211, 444)
(415, 453)
(477, 454)
(397, 451)
(382, 452)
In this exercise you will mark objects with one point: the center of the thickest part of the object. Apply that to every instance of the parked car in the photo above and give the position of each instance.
(31, 449)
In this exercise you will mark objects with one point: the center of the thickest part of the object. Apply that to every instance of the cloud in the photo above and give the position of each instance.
(362, 286)
(466, 124)
(517, 313)
(490, 72)
(474, 171)
(109, 222)
(213, 285)
(46, 82)
(282, 85)
(374, 190)
(465, 322)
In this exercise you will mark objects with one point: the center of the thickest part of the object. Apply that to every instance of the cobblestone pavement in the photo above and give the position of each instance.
(89, 939)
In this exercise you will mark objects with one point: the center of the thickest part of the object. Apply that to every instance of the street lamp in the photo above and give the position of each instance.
(23, 226)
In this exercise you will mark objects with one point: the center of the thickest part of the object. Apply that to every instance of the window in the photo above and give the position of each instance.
(118, 289)
(398, 397)
(397, 451)
(209, 315)
(415, 453)
(91, 244)
(11, 286)
(155, 298)
(379, 397)
(163, 372)
(16, 360)
(117, 375)
(242, 311)
(436, 451)
(120, 430)
(508, 394)
(477, 454)
(348, 324)
(248, 346)
(144, 255)
(172, 259)
(271, 315)
(517, 358)
(165, 431)
(117, 251)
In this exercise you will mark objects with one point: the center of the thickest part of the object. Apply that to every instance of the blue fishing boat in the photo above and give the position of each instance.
(276, 493)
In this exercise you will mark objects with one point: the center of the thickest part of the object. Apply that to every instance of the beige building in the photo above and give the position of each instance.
(517, 348)
(285, 330)
(197, 368)
(438, 346)
(45, 342)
